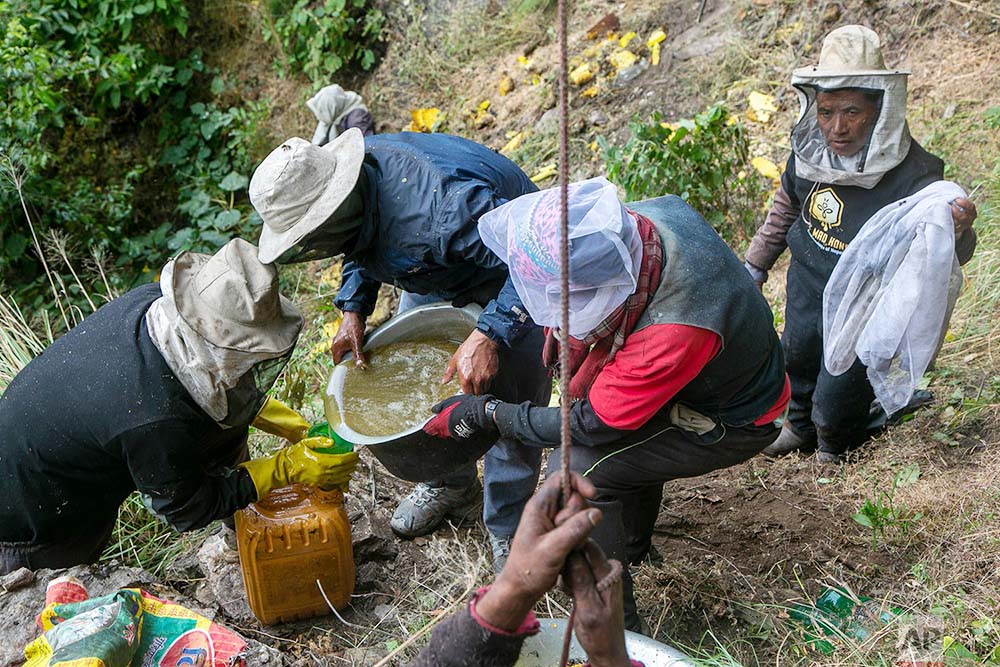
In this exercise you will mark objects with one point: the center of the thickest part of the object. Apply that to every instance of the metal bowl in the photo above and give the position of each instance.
(411, 454)
(545, 648)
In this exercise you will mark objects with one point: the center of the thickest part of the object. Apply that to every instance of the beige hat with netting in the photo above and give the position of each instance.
(851, 50)
(231, 300)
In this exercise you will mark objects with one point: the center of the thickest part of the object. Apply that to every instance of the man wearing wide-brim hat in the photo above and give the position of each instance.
(403, 209)
(154, 392)
(852, 154)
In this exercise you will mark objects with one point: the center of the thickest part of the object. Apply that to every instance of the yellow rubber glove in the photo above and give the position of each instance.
(302, 464)
(278, 419)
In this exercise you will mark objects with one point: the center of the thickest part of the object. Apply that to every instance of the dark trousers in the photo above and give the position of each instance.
(359, 118)
(88, 547)
(629, 476)
(71, 551)
(832, 410)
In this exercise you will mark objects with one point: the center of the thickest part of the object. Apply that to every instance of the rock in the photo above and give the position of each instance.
(371, 537)
(367, 576)
(598, 118)
(386, 612)
(484, 120)
(223, 586)
(185, 568)
(549, 122)
(259, 654)
(702, 47)
(629, 74)
(17, 579)
(506, 84)
(609, 23)
(832, 13)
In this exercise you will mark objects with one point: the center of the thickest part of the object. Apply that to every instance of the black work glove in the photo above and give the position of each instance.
(462, 416)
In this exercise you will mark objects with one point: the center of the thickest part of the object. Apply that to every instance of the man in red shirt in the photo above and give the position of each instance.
(676, 367)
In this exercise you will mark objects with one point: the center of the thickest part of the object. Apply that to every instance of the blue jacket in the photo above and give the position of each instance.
(424, 196)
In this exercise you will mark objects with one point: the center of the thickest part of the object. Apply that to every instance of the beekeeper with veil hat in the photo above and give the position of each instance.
(675, 366)
(155, 391)
(852, 155)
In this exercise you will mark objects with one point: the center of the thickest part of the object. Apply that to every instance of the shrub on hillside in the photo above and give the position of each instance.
(127, 141)
(705, 160)
(320, 38)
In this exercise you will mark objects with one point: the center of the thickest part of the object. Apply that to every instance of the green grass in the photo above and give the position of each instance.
(141, 540)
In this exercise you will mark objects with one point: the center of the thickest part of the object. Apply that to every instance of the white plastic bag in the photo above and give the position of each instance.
(889, 297)
(605, 252)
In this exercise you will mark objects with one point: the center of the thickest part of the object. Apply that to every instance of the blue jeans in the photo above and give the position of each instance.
(510, 469)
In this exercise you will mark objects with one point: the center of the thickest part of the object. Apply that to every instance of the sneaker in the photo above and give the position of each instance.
(501, 550)
(427, 507)
(789, 441)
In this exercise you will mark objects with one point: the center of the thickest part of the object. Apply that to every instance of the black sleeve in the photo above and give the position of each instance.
(460, 642)
(167, 462)
(965, 246)
(539, 427)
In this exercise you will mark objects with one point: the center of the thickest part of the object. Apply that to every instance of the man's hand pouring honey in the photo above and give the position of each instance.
(476, 363)
(350, 337)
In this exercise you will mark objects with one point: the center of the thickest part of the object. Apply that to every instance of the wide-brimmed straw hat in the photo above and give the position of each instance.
(299, 186)
(851, 50)
(231, 299)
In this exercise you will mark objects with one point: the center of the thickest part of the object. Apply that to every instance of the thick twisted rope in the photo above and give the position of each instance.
(564, 362)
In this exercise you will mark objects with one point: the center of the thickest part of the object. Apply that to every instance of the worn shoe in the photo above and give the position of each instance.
(829, 457)
(427, 507)
(789, 441)
(501, 550)
(878, 420)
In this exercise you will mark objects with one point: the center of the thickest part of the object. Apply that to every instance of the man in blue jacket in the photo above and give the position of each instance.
(403, 208)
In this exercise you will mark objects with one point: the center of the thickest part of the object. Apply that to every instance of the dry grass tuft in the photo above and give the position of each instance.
(19, 343)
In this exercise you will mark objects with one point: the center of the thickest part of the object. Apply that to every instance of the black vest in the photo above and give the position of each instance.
(703, 284)
(832, 215)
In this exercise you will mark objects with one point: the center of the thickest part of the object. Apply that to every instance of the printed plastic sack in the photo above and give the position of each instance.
(127, 628)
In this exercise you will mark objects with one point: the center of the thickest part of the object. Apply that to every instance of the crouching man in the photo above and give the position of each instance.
(676, 367)
(155, 391)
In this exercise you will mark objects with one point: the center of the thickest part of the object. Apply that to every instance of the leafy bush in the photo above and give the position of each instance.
(209, 153)
(704, 160)
(319, 39)
(125, 138)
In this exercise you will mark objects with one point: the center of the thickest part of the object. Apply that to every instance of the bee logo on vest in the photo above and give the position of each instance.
(826, 208)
